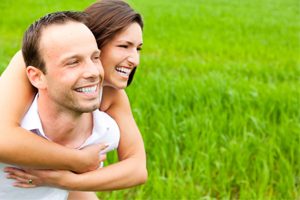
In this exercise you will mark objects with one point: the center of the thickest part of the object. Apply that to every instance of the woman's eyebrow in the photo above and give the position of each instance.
(129, 42)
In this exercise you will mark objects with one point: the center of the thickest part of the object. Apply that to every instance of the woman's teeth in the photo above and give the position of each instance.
(87, 89)
(123, 71)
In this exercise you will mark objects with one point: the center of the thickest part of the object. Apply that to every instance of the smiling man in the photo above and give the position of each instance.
(62, 60)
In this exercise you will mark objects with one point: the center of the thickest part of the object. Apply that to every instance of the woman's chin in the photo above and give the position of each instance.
(118, 85)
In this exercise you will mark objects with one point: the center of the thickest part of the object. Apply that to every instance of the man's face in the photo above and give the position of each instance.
(74, 72)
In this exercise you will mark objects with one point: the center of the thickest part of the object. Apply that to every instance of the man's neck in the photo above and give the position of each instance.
(64, 127)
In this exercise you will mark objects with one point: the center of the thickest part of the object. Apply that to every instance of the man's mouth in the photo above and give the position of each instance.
(123, 71)
(87, 90)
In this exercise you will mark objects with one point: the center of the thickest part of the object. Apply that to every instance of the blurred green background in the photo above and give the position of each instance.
(216, 95)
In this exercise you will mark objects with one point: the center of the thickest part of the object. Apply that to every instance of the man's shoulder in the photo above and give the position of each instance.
(107, 128)
(102, 119)
(100, 115)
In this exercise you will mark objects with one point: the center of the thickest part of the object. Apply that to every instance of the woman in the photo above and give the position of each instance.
(118, 31)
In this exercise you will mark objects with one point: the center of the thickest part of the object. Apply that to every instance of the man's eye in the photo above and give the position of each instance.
(73, 62)
(139, 48)
(96, 58)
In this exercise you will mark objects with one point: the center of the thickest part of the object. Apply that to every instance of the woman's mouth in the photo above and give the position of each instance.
(123, 71)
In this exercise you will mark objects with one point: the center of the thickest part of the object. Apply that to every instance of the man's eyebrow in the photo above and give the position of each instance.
(98, 51)
(72, 56)
(68, 57)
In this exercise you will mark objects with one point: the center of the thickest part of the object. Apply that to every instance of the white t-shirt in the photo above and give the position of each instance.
(105, 130)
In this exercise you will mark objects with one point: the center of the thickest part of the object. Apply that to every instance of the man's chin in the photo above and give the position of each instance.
(91, 108)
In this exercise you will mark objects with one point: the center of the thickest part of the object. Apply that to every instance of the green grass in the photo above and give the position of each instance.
(216, 97)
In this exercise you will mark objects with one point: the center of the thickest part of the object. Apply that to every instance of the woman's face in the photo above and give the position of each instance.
(121, 55)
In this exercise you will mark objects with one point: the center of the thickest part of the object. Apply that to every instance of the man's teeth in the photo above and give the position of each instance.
(87, 89)
(123, 70)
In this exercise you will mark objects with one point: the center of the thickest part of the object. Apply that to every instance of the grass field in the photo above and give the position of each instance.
(216, 97)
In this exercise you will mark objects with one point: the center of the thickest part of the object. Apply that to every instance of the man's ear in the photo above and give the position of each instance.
(36, 77)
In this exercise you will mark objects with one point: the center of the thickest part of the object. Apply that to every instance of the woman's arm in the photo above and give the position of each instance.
(129, 171)
(21, 147)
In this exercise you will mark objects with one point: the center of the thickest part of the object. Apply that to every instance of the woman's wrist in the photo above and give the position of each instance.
(80, 163)
(68, 181)
(83, 161)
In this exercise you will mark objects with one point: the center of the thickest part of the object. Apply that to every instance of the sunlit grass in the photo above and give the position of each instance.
(216, 96)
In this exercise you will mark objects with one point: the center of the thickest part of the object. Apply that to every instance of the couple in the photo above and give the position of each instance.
(68, 74)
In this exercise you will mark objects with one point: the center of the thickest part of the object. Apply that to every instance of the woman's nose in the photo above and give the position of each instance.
(134, 58)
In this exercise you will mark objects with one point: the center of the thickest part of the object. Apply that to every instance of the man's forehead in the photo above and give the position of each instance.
(67, 37)
(58, 30)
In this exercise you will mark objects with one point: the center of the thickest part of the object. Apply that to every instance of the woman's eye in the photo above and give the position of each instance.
(139, 49)
(123, 46)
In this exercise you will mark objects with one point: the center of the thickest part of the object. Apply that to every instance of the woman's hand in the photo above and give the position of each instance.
(30, 178)
(90, 158)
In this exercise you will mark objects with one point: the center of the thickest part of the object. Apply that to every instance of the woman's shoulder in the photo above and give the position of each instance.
(112, 96)
(18, 57)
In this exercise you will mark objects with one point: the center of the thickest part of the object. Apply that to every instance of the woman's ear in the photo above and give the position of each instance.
(36, 77)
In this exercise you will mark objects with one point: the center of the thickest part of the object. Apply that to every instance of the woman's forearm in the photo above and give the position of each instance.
(120, 175)
(21, 147)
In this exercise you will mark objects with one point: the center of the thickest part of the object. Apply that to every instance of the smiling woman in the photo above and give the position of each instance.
(119, 55)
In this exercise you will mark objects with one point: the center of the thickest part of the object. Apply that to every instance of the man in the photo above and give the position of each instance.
(62, 60)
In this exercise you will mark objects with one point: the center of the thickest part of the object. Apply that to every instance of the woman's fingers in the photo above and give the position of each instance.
(18, 173)
(12, 169)
(17, 178)
(24, 185)
(21, 182)
(23, 178)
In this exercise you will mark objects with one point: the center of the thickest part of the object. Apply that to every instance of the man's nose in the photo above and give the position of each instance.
(93, 70)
